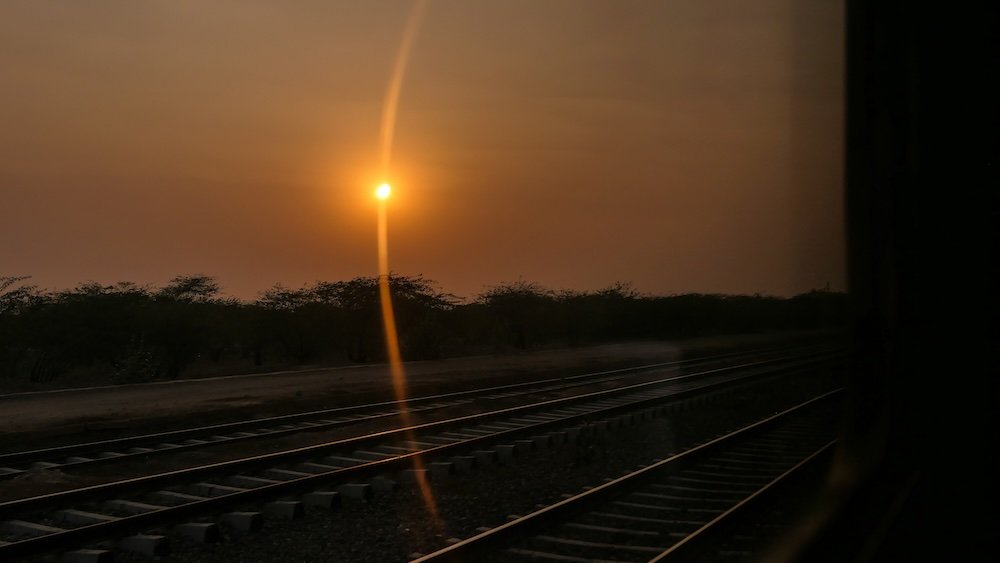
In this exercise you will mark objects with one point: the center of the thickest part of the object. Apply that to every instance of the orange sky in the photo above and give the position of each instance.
(683, 146)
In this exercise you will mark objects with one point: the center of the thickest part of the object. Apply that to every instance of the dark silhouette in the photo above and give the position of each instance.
(125, 332)
(912, 476)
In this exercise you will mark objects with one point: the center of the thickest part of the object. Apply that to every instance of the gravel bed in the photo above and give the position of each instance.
(48, 419)
(398, 527)
(44, 481)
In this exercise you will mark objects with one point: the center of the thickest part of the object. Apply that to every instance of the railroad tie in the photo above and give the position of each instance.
(284, 509)
(132, 507)
(247, 481)
(243, 522)
(485, 457)
(88, 556)
(321, 499)
(463, 463)
(285, 474)
(382, 485)
(355, 490)
(83, 518)
(175, 497)
(201, 532)
(144, 544)
(214, 490)
(314, 468)
(25, 528)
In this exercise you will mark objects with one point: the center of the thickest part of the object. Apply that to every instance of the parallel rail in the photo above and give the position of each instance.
(660, 511)
(391, 450)
(103, 452)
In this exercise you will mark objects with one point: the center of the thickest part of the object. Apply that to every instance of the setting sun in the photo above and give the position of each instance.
(383, 191)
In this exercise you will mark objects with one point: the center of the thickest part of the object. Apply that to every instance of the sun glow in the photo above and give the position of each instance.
(383, 191)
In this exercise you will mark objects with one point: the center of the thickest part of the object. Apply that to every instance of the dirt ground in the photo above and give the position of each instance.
(31, 420)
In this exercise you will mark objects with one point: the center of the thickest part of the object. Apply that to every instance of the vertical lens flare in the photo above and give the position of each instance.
(392, 349)
(391, 102)
(382, 193)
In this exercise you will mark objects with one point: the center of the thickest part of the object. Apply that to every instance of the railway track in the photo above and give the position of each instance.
(193, 501)
(92, 454)
(664, 511)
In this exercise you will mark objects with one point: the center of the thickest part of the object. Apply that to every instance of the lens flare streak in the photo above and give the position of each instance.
(391, 103)
(382, 193)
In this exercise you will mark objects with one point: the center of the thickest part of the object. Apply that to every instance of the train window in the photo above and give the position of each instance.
(429, 280)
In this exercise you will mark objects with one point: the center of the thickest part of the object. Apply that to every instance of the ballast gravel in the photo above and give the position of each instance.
(400, 526)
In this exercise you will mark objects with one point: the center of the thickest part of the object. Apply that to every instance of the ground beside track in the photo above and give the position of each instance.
(36, 420)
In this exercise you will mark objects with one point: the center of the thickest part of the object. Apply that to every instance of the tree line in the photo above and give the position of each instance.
(125, 332)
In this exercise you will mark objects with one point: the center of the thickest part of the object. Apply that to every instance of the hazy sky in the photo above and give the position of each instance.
(684, 146)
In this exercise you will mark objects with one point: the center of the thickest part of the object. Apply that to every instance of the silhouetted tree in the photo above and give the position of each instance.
(521, 313)
(127, 332)
(190, 289)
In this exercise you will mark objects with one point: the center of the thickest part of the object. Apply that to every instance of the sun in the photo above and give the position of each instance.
(383, 191)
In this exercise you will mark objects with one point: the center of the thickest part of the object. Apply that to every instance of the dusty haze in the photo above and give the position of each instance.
(682, 146)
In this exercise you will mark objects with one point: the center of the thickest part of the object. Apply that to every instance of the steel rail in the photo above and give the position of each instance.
(520, 527)
(699, 535)
(46, 454)
(138, 522)
(294, 454)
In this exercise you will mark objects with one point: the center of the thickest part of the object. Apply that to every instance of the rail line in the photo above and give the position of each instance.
(287, 481)
(117, 450)
(658, 512)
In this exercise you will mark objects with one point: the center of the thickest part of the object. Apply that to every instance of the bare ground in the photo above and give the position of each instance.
(31, 420)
